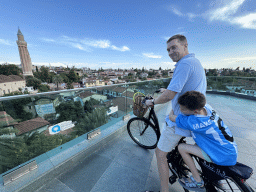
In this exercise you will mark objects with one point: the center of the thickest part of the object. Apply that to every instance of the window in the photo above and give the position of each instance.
(4, 91)
(9, 91)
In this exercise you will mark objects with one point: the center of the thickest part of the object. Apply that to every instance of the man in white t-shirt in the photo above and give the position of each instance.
(188, 75)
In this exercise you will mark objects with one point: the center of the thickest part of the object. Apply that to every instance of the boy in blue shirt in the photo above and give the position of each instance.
(214, 141)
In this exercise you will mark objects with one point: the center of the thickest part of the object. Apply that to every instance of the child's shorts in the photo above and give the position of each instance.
(206, 157)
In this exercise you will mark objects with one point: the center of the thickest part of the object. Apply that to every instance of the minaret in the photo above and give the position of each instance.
(24, 55)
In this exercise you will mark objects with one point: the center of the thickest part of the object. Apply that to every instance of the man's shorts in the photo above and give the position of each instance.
(168, 139)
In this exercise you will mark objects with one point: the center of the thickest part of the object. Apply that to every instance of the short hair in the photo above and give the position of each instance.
(181, 38)
(192, 100)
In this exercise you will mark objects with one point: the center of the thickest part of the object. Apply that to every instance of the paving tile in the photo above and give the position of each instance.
(244, 133)
(135, 158)
(84, 176)
(120, 178)
(54, 186)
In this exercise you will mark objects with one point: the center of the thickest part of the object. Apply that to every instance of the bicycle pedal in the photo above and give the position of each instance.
(172, 179)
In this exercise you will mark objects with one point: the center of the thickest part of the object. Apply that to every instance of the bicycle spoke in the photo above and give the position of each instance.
(143, 133)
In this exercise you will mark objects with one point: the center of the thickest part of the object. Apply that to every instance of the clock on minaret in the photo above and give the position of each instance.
(25, 59)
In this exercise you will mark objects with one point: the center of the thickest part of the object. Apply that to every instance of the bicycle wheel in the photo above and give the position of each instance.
(143, 132)
(232, 184)
(242, 185)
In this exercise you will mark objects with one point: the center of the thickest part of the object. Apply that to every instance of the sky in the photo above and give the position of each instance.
(129, 33)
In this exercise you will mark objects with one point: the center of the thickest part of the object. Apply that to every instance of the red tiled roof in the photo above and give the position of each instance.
(30, 125)
(10, 78)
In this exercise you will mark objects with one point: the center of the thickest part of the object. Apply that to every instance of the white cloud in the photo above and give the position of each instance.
(5, 42)
(176, 12)
(190, 16)
(238, 59)
(223, 13)
(124, 48)
(227, 13)
(247, 21)
(49, 64)
(151, 55)
(86, 44)
(97, 43)
(48, 40)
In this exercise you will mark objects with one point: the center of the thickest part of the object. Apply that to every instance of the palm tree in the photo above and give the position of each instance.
(57, 79)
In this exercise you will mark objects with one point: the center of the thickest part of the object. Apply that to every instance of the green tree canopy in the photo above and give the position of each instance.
(91, 121)
(57, 79)
(73, 77)
(70, 111)
(43, 88)
(10, 70)
(33, 82)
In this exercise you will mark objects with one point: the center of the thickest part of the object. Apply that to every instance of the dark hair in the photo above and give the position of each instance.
(181, 38)
(192, 100)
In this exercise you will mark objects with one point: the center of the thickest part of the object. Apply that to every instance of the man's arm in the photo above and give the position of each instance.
(167, 96)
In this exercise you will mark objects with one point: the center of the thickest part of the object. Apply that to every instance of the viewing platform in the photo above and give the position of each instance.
(111, 161)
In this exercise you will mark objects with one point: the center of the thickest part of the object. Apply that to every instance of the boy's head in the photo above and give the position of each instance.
(191, 102)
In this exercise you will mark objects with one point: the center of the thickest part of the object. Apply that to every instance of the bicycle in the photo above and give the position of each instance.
(145, 132)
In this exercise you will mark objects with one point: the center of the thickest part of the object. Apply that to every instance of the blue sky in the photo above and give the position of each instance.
(125, 34)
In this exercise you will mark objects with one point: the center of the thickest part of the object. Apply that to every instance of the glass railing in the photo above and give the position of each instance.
(31, 125)
(241, 85)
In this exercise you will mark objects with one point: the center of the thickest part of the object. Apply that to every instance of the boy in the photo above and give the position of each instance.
(214, 141)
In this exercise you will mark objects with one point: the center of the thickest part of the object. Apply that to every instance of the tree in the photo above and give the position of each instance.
(13, 153)
(33, 82)
(43, 75)
(43, 88)
(15, 108)
(70, 111)
(73, 77)
(91, 121)
(69, 85)
(10, 70)
(89, 105)
(57, 79)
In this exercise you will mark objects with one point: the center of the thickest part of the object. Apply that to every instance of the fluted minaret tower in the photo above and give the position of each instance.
(24, 55)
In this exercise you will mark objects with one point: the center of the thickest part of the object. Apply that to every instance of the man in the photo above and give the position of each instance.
(188, 75)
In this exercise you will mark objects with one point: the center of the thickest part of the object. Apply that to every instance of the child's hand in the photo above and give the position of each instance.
(172, 117)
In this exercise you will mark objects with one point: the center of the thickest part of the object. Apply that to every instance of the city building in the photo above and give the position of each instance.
(11, 83)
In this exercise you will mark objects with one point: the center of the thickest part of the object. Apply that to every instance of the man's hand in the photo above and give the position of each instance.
(149, 103)
(162, 90)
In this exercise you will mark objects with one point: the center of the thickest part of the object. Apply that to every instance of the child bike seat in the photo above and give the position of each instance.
(240, 170)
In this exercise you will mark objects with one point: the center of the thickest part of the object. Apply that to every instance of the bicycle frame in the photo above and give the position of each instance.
(152, 115)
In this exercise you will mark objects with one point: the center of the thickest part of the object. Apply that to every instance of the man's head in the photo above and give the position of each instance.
(191, 102)
(177, 47)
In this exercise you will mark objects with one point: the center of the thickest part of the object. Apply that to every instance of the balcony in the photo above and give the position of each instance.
(110, 161)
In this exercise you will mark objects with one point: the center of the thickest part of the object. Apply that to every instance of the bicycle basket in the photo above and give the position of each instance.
(139, 109)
